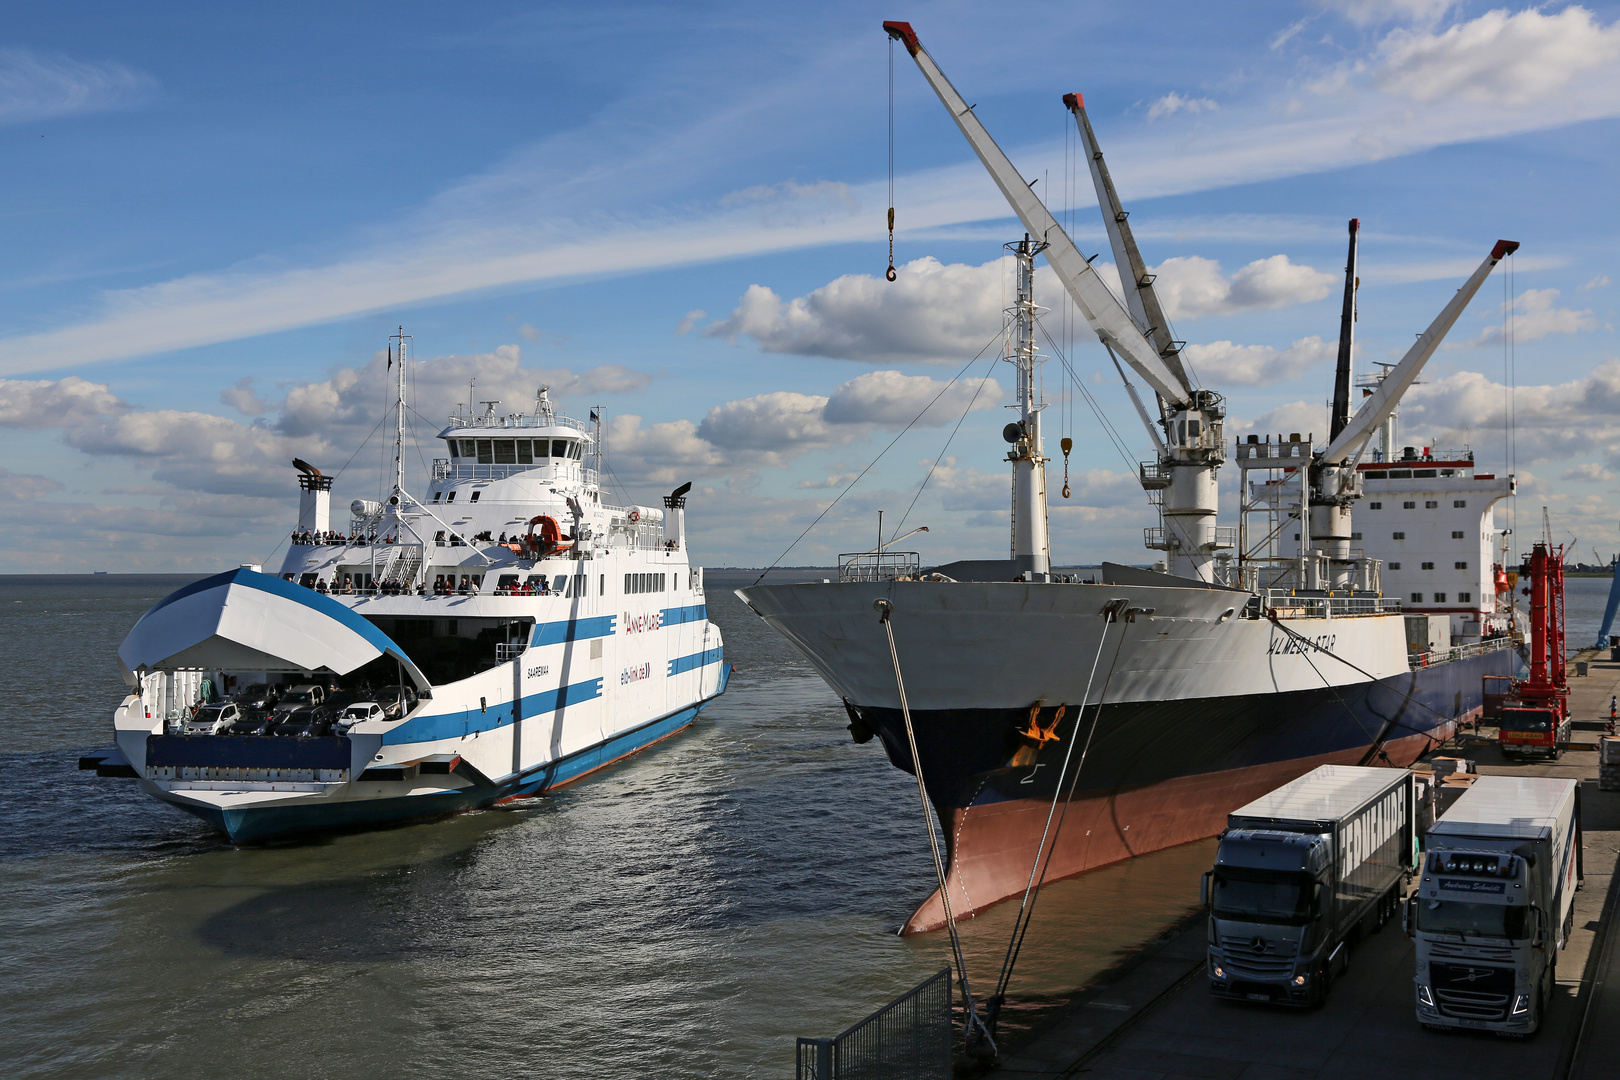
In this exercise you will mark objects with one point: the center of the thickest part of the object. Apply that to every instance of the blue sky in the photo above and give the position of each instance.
(214, 218)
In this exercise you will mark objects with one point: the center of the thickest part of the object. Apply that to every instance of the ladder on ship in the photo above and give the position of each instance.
(404, 560)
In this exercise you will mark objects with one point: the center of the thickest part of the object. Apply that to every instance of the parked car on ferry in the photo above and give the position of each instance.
(212, 719)
(357, 713)
(257, 696)
(303, 722)
(396, 701)
(252, 723)
(301, 695)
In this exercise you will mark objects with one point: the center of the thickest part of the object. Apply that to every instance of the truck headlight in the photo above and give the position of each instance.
(1521, 1004)
(1220, 973)
(1299, 980)
(1424, 997)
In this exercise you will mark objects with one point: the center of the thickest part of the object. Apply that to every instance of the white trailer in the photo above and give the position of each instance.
(1300, 874)
(1496, 904)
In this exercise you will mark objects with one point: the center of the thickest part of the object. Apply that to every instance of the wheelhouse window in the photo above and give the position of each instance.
(525, 452)
(559, 448)
(505, 452)
(486, 452)
(469, 449)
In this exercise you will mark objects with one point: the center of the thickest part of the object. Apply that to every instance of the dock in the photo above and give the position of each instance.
(1154, 1017)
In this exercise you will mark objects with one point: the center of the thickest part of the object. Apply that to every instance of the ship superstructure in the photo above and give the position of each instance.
(509, 632)
(1254, 659)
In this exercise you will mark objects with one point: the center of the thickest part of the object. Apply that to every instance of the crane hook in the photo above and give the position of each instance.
(891, 275)
(1068, 444)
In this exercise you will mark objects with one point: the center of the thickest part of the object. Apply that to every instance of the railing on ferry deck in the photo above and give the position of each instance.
(517, 421)
(444, 470)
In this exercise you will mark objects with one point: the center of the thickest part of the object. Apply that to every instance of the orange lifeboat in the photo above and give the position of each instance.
(549, 541)
(1502, 583)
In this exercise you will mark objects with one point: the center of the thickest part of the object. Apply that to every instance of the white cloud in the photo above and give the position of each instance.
(1589, 473)
(1534, 317)
(530, 332)
(34, 86)
(1222, 362)
(793, 203)
(1308, 420)
(1190, 286)
(1496, 59)
(55, 403)
(668, 452)
(1370, 12)
(772, 422)
(1596, 283)
(24, 486)
(689, 320)
(1172, 103)
(932, 311)
(243, 398)
(891, 399)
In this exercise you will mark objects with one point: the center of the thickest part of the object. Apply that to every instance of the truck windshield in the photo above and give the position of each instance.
(1479, 920)
(1511, 721)
(1265, 896)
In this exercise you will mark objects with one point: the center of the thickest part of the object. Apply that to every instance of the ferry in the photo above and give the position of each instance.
(508, 633)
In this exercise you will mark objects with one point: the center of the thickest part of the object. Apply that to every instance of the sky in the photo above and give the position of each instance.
(215, 216)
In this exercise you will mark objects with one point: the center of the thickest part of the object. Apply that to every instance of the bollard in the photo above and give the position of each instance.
(1580, 669)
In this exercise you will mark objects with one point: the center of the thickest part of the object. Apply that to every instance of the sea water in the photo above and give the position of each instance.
(685, 913)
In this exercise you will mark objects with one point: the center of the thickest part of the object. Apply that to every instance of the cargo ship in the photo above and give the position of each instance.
(1064, 722)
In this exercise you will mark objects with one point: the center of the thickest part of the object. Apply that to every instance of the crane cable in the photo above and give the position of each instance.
(891, 275)
(972, 1019)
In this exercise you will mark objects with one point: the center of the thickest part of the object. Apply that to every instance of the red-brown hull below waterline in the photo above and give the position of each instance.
(992, 847)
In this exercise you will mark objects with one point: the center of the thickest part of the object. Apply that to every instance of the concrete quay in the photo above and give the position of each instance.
(1156, 1019)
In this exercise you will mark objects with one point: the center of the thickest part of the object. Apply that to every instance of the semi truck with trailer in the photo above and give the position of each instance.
(1495, 904)
(1303, 872)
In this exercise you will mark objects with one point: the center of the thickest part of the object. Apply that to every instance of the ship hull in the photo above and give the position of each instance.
(1161, 791)
(258, 823)
(1171, 711)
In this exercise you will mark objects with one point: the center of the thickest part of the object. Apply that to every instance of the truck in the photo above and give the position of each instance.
(1495, 904)
(1301, 874)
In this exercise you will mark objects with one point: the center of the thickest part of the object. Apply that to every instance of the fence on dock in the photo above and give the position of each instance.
(907, 1039)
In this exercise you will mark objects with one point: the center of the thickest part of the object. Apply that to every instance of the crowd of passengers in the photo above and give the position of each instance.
(329, 538)
(443, 585)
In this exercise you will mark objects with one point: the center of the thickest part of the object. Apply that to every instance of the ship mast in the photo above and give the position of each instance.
(1031, 548)
(398, 499)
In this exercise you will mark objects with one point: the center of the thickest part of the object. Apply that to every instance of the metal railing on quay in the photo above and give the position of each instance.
(907, 1039)
(879, 566)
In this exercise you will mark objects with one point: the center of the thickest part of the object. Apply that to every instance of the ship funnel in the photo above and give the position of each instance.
(314, 498)
(675, 517)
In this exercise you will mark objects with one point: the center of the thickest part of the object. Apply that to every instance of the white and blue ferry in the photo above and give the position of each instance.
(506, 634)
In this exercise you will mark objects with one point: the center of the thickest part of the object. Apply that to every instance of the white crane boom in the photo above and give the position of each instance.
(1101, 308)
(1353, 439)
(1134, 279)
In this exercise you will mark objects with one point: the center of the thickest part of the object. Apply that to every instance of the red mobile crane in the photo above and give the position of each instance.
(1533, 717)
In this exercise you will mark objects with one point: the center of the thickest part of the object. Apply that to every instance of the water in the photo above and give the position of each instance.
(684, 914)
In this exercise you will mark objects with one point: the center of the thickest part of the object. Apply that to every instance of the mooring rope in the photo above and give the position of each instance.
(972, 1020)
(1036, 869)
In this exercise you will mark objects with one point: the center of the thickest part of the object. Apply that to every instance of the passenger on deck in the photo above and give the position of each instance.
(502, 540)
(320, 585)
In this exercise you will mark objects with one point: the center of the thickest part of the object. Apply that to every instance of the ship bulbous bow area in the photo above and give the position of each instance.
(245, 620)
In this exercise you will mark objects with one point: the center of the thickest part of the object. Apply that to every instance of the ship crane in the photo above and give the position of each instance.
(1333, 486)
(1194, 446)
